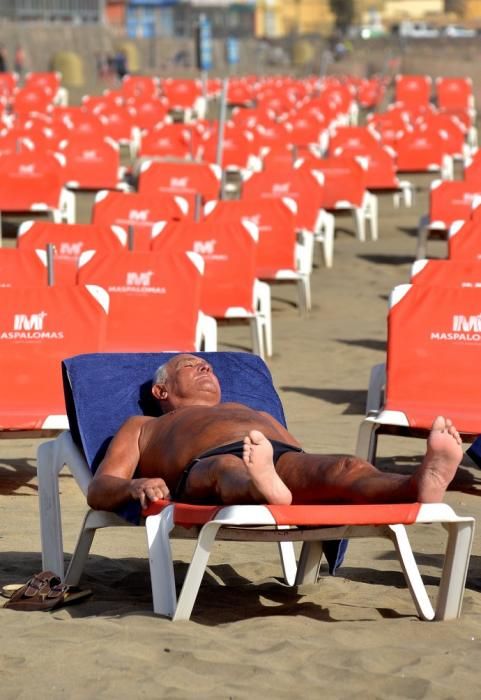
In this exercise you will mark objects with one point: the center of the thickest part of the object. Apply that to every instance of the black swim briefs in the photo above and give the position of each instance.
(232, 448)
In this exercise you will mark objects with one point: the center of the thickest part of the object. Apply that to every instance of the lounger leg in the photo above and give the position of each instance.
(377, 382)
(304, 293)
(328, 240)
(257, 336)
(267, 328)
(308, 292)
(367, 441)
(288, 562)
(67, 207)
(48, 468)
(410, 569)
(422, 237)
(158, 528)
(93, 521)
(407, 189)
(309, 562)
(262, 293)
(196, 571)
(324, 233)
(360, 220)
(372, 212)
(81, 552)
(51, 458)
(455, 569)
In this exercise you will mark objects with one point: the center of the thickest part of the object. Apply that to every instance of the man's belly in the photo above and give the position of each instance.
(170, 445)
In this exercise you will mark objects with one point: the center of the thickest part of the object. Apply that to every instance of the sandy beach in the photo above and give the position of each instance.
(250, 636)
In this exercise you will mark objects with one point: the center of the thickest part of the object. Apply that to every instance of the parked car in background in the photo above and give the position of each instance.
(416, 30)
(456, 30)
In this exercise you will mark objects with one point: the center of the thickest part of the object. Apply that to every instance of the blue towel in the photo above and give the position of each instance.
(102, 390)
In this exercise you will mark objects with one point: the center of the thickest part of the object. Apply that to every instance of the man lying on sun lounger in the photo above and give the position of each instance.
(204, 451)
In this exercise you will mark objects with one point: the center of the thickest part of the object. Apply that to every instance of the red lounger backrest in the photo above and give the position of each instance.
(344, 179)
(419, 151)
(30, 178)
(140, 211)
(451, 200)
(92, 163)
(229, 254)
(182, 179)
(275, 222)
(23, 267)
(39, 327)
(154, 298)
(454, 93)
(413, 90)
(69, 241)
(434, 341)
(298, 184)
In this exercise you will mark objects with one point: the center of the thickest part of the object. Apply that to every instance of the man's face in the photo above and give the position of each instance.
(191, 380)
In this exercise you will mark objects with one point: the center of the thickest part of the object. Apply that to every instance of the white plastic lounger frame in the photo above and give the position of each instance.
(455, 565)
(243, 523)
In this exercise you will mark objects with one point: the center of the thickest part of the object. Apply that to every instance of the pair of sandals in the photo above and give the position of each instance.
(44, 591)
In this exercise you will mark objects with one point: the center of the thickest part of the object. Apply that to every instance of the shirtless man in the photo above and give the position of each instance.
(201, 450)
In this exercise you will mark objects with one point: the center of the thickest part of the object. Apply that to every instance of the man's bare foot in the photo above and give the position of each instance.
(257, 457)
(443, 455)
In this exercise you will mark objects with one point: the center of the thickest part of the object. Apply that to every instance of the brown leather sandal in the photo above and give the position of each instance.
(45, 591)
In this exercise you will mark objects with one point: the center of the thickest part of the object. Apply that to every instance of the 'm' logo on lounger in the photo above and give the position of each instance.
(138, 282)
(205, 247)
(207, 250)
(467, 323)
(463, 329)
(280, 188)
(27, 169)
(90, 155)
(30, 327)
(139, 279)
(179, 181)
(70, 250)
(34, 322)
(138, 214)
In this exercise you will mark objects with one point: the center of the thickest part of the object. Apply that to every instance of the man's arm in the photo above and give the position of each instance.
(113, 484)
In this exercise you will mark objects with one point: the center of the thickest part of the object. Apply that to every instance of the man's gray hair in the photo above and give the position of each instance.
(161, 373)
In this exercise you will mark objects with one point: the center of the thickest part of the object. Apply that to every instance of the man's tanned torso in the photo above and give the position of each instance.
(169, 443)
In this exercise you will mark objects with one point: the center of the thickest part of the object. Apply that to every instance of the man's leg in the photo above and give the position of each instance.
(226, 479)
(343, 479)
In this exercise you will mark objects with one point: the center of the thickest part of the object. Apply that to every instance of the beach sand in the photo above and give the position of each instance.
(250, 636)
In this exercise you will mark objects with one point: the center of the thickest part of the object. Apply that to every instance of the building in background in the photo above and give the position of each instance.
(178, 18)
(73, 11)
(278, 18)
(238, 18)
(471, 10)
(395, 10)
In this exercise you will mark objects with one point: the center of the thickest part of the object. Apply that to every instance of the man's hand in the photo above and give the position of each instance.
(148, 490)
